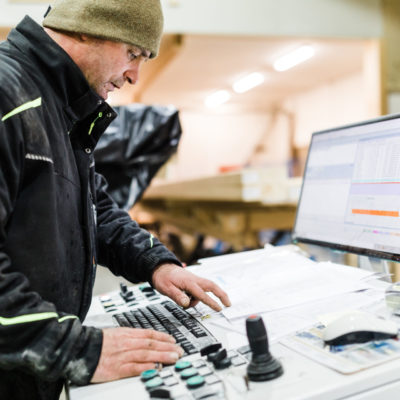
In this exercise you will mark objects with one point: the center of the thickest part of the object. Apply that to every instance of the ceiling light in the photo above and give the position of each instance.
(217, 98)
(295, 57)
(248, 82)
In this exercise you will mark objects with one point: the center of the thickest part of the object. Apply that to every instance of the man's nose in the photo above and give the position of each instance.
(132, 75)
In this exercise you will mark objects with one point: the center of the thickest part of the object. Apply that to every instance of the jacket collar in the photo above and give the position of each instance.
(65, 76)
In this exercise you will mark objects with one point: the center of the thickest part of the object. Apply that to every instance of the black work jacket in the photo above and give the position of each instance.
(56, 219)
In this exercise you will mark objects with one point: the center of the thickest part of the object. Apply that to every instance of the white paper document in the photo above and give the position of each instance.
(261, 281)
(284, 322)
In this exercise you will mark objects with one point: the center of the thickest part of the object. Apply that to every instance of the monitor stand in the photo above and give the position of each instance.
(376, 265)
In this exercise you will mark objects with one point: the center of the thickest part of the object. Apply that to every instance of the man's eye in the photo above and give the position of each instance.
(132, 56)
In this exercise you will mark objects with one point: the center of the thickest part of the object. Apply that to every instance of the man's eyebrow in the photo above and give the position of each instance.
(143, 52)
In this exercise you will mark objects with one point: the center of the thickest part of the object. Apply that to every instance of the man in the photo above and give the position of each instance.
(56, 219)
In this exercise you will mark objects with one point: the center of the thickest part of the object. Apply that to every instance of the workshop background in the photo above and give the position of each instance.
(246, 118)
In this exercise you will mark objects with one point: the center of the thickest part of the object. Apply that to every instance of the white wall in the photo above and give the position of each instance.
(333, 104)
(394, 103)
(12, 13)
(210, 141)
(323, 18)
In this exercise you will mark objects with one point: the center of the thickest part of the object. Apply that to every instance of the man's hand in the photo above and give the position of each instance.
(128, 352)
(185, 288)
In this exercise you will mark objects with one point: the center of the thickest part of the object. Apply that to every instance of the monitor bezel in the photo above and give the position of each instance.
(336, 246)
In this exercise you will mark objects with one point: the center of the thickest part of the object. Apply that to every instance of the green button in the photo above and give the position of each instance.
(195, 382)
(188, 372)
(153, 383)
(180, 365)
(148, 374)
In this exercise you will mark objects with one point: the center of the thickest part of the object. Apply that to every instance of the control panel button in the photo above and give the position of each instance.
(170, 381)
(160, 393)
(244, 349)
(165, 373)
(222, 364)
(199, 363)
(212, 379)
(236, 361)
(148, 374)
(195, 382)
(218, 355)
(211, 348)
(181, 365)
(154, 383)
(188, 373)
(204, 371)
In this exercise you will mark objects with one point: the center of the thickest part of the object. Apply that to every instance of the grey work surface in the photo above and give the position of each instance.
(303, 378)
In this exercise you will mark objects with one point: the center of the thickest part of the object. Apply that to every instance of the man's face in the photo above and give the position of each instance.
(108, 65)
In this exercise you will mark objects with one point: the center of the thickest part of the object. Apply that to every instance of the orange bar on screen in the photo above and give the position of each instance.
(375, 212)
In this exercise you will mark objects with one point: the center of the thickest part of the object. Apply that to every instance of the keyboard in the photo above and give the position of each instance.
(168, 317)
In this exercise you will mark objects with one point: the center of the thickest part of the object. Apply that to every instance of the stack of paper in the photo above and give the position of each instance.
(286, 288)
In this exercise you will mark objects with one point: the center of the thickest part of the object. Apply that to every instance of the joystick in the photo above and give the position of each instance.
(123, 287)
(262, 367)
(126, 294)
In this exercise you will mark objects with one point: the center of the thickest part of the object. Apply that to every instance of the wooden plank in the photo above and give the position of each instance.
(268, 185)
(276, 218)
(237, 223)
(4, 30)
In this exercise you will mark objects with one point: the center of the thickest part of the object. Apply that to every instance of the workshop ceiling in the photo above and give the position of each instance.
(191, 67)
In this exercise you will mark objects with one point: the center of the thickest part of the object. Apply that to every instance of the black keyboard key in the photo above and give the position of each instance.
(169, 318)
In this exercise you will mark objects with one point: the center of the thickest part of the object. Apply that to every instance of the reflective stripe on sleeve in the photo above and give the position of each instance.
(23, 319)
(30, 104)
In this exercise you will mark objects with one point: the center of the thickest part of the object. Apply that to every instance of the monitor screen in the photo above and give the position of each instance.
(350, 197)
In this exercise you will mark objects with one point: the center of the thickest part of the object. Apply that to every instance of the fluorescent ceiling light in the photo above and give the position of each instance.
(248, 82)
(295, 57)
(217, 98)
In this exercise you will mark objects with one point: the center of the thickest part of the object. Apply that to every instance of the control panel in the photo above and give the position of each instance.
(207, 366)
(195, 377)
(129, 298)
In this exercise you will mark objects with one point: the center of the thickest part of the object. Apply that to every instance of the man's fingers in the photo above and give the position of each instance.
(134, 369)
(134, 342)
(199, 289)
(174, 281)
(178, 296)
(123, 348)
(201, 295)
(194, 302)
(148, 356)
(135, 346)
(149, 334)
(125, 371)
(210, 286)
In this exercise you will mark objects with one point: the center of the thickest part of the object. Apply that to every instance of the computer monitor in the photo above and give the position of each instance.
(350, 197)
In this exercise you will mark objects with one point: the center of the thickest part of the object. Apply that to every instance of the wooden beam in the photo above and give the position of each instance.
(4, 30)
(236, 223)
(264, 184)
(391, 40)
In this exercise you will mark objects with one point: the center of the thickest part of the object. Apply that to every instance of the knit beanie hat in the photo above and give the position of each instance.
(136, 22)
